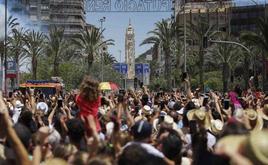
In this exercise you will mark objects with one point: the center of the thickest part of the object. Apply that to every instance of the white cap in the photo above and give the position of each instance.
(18, 104)
(42, 106)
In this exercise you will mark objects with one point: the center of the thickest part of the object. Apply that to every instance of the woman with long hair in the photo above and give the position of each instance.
(88, 101)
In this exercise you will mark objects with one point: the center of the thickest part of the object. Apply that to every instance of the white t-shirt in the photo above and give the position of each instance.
(210, 143)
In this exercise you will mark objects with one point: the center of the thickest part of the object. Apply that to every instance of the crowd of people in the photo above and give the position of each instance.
(134, 127)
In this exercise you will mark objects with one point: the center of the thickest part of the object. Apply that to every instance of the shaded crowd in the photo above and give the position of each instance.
(142, 127)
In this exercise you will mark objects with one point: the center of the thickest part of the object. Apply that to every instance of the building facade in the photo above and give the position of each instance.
(43, 14)
(130, 51)
(39, 14)
(244, 18)
(69, 14)
(215, 12)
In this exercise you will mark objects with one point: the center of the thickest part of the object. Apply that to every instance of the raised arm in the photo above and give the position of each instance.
(51, 115)
(217, 104)
(20, 151)
(188, 90)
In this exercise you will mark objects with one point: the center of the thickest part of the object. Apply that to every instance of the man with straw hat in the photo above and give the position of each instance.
(200, 115)
(255, 120)
(245, 149)
(216, 127)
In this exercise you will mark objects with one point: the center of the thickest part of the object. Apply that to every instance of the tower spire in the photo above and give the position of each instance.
(129, 21)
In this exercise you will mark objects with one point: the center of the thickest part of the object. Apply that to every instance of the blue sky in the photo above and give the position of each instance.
(116, 24)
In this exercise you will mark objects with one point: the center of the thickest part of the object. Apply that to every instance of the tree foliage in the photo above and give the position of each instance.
(163, 36)
(34, 47)
(90, 42)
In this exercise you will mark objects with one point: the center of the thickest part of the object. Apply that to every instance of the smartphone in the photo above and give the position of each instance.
(60, 103)
(141, 84)
(226, 103)
(10, 94)
(120, 98)
(122, 91)
(41, 96)
(205, 101)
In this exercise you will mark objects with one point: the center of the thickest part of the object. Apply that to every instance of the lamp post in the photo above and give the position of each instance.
(4, 66)
(184, 28)
(101, 29)
(120, 65)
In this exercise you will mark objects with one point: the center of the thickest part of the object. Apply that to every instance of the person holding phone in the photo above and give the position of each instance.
(88, 101)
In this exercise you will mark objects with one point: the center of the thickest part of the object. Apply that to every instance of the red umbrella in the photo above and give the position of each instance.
(114, 86)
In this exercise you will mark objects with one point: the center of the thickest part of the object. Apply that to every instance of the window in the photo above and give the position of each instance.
(33, 17)
(44, 7)
(45, 17)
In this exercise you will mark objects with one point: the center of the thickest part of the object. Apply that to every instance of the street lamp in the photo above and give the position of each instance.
(4, 85)
(101, 29)
(120, 65)
(184, 28)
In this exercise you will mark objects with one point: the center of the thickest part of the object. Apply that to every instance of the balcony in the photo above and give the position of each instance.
(68, 21)
(68, 12)
(74, 30)
(68, 2)
(202, 6)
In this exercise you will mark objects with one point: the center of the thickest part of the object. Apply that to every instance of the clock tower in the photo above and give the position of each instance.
(130, 51)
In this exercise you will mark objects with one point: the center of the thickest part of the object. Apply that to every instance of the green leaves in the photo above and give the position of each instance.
(91, 43)
(164, 36)
(260, 39)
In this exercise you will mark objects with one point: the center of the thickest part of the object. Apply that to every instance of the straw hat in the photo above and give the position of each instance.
(199, 115)
(254, 146)
(252, 115)
(167, 119)
(138, 118)
(147, 110)
(216, 126)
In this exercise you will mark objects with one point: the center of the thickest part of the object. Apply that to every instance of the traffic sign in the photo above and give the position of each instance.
(121, 68)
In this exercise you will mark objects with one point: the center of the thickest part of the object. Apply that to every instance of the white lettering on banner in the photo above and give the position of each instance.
(129, 5)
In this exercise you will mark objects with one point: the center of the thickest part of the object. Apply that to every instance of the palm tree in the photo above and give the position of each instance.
(11, 24)
(90, 42)
(108, 59)
(56, 47)
(198, 30)
(260, 40)
(223, 55)
(34, 45)
(15, 47)
(163, 36)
